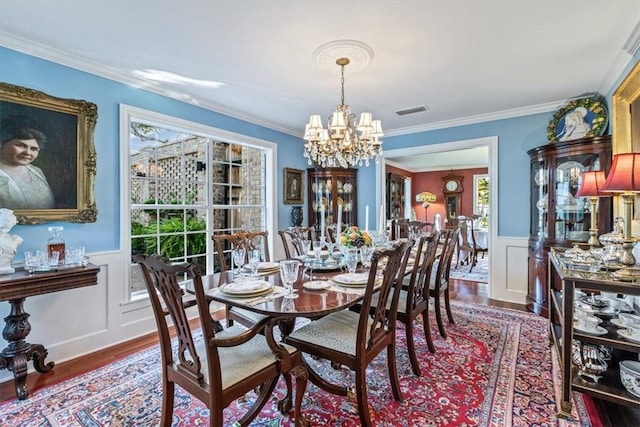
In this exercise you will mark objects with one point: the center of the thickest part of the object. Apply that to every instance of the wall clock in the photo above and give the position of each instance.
(452, 190)
(452, 183)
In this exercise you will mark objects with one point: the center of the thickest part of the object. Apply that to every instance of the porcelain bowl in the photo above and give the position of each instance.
(630, 376)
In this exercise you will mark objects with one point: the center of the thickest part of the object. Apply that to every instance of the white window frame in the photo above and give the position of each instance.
(129, 114)
(476, 179)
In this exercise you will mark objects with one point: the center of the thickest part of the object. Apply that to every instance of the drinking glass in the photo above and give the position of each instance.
(254, 261)
(32, 260)
(289, 274)
(366, 252)
(352, 259)
(317, 248)
(54, 257)
(306, 247)
(238, 258)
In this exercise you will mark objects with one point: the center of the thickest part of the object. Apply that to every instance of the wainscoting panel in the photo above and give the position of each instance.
(508, 269)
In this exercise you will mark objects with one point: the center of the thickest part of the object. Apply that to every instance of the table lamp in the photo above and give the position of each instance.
(426, 198)
(591, 186)
(624, 178)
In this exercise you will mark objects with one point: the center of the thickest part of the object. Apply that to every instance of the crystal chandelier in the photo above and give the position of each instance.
(345, 142)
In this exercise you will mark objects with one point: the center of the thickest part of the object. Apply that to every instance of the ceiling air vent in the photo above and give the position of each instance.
(412, 110)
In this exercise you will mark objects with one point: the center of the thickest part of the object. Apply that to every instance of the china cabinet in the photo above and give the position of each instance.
(568, 286)
(395, 196)
(331, 188)
(557, 217)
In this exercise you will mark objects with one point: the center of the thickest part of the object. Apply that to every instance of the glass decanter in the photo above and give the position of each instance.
(56, 243)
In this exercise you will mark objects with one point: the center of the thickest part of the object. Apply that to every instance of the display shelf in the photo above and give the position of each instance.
(563, 283)
(332, 187)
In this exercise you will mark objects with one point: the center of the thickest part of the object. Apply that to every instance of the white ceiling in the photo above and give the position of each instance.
(467, 61)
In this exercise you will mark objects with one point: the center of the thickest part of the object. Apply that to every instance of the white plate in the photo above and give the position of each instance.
(624, 333)
(351, 279)
(316, 285)
(597, 331)
(620, 324)
(264, 266)
(247, 288)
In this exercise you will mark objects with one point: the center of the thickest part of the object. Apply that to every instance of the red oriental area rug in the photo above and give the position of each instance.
(494, 369)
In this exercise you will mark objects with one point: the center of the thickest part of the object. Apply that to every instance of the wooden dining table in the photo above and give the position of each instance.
(311, 303)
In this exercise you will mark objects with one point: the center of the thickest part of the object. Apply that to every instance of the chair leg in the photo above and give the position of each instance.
(411, 349)
(168, 392)
(448, 306)
(436, 301)
(302, 375)
(361, 396)
(427, 330)
(227, 312)
(265, 393)
(393, 371)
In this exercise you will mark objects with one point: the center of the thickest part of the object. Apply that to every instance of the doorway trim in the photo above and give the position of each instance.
(491, 142)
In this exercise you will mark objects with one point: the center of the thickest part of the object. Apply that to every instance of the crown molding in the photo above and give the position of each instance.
(64, 58)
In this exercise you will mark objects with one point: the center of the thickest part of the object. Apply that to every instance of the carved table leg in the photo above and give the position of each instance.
(16, 355)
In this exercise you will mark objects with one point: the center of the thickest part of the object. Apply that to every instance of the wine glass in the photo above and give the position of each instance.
(317, 248)
(238, 258)
(352, 259)
(306, 247)
(289, 274)
(366, 252)
(254, 261)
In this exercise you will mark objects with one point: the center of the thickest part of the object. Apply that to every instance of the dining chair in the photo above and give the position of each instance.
(414, 296)
(464, 248)
(399, 228)
(354, 339)
(216, 368)
(224, 244)
(419, 227)
(439, 282)
(292, 240)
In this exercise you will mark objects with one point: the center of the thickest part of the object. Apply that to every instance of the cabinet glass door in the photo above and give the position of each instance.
(572, 216)
(540, 196)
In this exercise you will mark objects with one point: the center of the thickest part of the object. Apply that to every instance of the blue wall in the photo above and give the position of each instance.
(64, 82)
(515, 137)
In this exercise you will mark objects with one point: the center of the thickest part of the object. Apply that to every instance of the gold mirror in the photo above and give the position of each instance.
(626, 129)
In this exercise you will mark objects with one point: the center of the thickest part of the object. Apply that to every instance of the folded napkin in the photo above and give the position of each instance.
(246, 286)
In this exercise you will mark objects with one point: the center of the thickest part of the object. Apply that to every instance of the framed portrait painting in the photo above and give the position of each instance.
(47, 156)
(293, 186)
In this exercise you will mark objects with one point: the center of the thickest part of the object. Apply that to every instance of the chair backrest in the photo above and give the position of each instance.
(248, 240)
(399, 228)
(162, 281)
(292, 239)
(419, 227)
(466, 229)
(450, 239)
(418, 288)
(380, 327)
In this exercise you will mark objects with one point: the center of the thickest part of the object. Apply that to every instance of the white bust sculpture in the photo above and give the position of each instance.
(8, 242)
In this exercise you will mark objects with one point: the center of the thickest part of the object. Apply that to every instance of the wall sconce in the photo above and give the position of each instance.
(426, 198)
(591, 186)
(624, 178)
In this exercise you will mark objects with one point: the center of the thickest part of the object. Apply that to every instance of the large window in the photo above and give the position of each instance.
(185, 183)
(481, 199)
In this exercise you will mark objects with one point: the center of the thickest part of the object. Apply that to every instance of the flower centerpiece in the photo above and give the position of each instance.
(353, 237)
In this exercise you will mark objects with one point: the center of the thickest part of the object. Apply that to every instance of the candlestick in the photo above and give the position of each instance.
(366, 218)
(382, 227)
(339, 227)
(322, 222)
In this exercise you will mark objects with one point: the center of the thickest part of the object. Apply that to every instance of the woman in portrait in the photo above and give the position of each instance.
(575, 125)
(22, 185)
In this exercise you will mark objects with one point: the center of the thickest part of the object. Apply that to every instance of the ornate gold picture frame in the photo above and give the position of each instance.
(65, 158)
(293, 186)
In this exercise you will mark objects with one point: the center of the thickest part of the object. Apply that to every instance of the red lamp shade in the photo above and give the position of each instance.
(591, 185)
(624, 175)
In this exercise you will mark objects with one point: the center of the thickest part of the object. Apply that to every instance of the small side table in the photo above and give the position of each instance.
(15, 288)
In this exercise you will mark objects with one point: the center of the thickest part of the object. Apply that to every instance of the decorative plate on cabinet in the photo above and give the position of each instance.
(580, 118)
(541, 177)
(347, 188)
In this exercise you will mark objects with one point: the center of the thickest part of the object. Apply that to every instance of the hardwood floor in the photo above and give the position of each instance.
(612, 415)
